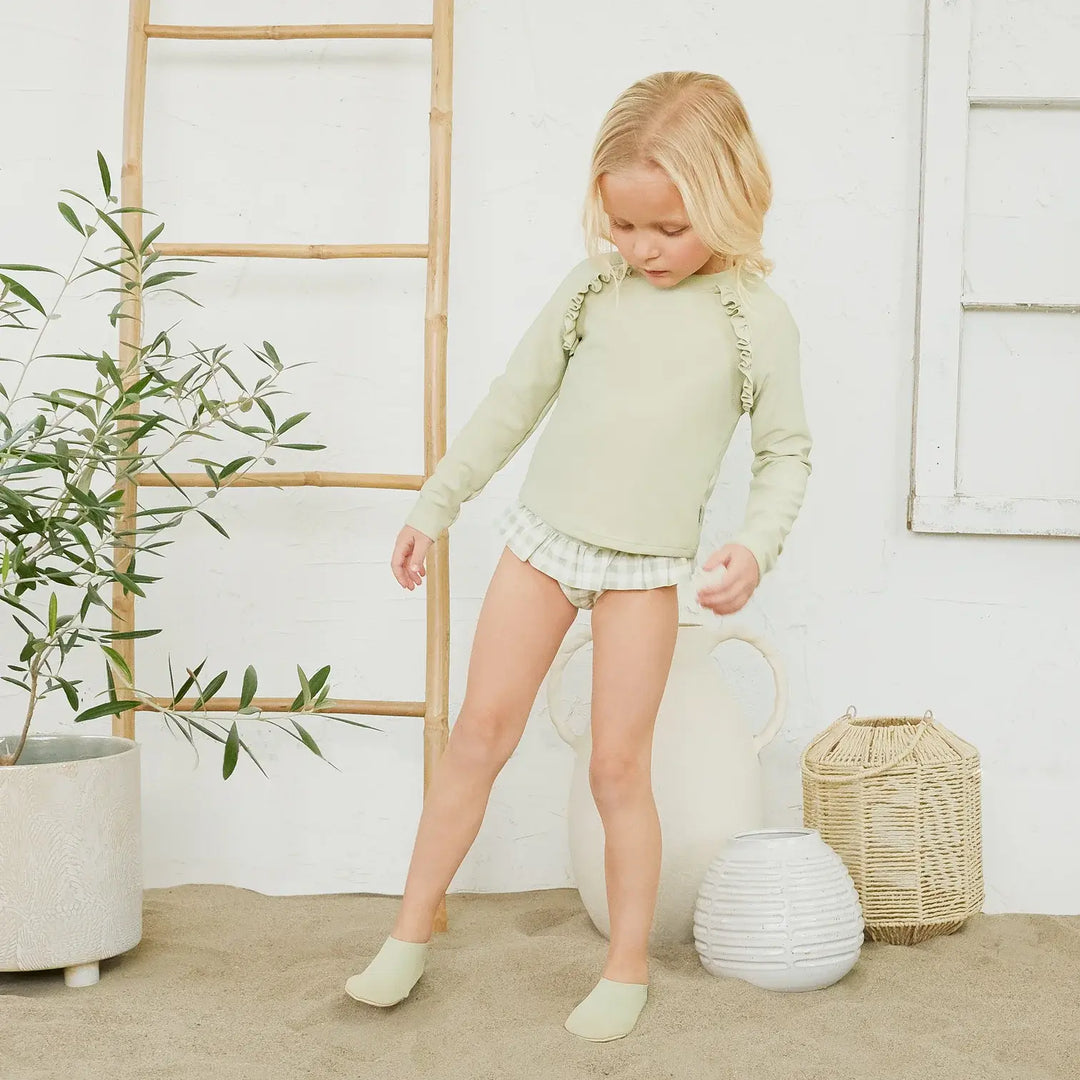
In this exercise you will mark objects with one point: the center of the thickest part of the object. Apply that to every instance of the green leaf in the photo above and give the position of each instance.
(70, 218)
(304, 684)
(210, 690)
(187, 684)
(319, 678)
(149, 239)
(187, 722)
(151, 510)
(120, 662)
(232, 375)
(216, 524)
(158, 279)
(124, 635)
(110, 267)
(301, 446)
(238, 463)
(128, 583)
(70, 356)
(68, 191)
(116, 229)
(251, 682)
(292, 422)
(14, 499)
(107, 708)
(172, 481)
(109, 680)
(69, 692)
(266, 410)
(79, 535)
(22, 293)
(309, 742)
(106, 181)
(52, 613)
(345, 720)
(191, 299)
(232, 752)
(28, 267)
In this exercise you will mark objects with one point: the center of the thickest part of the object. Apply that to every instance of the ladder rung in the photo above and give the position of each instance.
(278, 705)
(282, 33)
(298, 251)
(388, 481)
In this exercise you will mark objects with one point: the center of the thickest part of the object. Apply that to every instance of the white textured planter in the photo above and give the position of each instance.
(70, 854)
(778, 909)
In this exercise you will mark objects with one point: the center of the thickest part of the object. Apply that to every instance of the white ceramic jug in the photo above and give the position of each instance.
(705, 772)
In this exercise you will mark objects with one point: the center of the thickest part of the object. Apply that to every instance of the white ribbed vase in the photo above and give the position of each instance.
(778, 909)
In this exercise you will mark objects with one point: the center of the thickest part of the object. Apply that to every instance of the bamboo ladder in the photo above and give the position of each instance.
(434, 709)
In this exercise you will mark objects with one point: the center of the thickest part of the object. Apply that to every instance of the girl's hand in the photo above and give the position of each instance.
(736, 585)
(410, 550)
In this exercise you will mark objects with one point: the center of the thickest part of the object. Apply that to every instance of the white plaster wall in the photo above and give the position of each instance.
(327, 142)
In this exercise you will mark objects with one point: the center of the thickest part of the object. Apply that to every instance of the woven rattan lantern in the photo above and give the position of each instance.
(898, 799)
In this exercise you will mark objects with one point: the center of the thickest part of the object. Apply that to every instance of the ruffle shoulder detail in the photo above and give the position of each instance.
(570, 336)
(730, 299)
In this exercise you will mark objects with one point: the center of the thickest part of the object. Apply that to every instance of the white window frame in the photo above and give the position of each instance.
(934, 503)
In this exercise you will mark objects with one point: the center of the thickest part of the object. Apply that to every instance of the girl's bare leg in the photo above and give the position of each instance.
(523, 620)
(634, 636)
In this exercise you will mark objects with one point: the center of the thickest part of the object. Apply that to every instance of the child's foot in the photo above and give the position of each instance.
(391, 975)
(609, 1012)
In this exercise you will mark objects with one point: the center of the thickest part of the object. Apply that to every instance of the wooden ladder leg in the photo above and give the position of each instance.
(131, 192)
(436, 714)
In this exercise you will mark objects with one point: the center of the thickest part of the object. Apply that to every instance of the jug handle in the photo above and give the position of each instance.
(580, 634)
(768, 733)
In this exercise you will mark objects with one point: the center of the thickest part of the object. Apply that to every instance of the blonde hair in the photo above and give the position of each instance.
(693, 126)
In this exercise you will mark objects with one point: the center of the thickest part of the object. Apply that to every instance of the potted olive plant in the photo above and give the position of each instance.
(70, 846)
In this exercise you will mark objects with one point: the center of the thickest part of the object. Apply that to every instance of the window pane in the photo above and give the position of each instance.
(1025, 47)
(1019, 392)
(1022, 228)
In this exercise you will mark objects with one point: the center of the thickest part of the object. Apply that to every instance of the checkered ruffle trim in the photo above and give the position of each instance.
(583, 565)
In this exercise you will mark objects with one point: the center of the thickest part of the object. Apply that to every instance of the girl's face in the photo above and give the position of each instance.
(650, 228)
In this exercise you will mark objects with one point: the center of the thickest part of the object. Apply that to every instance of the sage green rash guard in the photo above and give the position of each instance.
(645, 387)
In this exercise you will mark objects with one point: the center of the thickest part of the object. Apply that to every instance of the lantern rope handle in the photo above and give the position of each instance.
(861, 774)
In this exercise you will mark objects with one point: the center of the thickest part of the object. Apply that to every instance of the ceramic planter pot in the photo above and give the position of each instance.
(70, 854)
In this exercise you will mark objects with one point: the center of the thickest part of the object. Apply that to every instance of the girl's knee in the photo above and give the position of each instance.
(484, 737)
(615, 774)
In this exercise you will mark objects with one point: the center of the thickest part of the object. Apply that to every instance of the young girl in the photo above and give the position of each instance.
(650, 355)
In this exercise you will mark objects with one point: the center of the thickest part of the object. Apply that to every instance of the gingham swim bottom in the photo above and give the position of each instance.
(584, 571)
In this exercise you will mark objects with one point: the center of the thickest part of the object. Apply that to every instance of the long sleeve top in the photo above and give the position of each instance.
(645, 387)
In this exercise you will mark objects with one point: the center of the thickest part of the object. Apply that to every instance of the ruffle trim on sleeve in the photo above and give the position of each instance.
(570, 336)
(729, 298)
